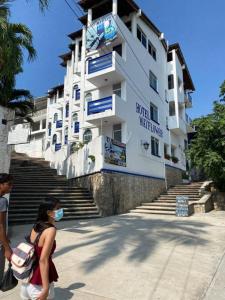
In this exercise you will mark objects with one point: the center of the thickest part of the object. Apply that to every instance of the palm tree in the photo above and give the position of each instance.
(14, 38)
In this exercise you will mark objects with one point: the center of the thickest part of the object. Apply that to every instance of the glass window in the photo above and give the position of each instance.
(153, 81)
(75, 117)
(88, 97)
(173, 151)
(61, 93)
(117, 132)
(155, 146)
(54, 139)
(172, 111)
(152, 50)
(170, 82)
(76, 92)
(44, 124)
(117, 89)
(36, 126)
(87, 136)
(66, 136)
(67, 110)
(55, 118)
(170, 56)
(142, 37)
(49, 129)
(154, 113)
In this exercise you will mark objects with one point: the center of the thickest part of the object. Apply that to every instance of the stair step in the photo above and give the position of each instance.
(152, 207)
(157, 212)
(159, 204)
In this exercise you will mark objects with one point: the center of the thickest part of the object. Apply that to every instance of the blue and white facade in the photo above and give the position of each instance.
(123, 104)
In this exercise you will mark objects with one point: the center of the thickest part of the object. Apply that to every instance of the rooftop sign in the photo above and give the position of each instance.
(101, 32)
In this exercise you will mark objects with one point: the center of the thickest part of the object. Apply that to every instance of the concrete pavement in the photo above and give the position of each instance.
(139, 257)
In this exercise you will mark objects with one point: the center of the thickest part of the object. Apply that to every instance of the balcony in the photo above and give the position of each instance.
(59, 124)
(177, 125)
(58, 147)
(188, 100)
(105, 70)
(111, 109)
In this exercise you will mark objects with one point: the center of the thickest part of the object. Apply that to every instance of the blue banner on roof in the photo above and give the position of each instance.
(101, 32)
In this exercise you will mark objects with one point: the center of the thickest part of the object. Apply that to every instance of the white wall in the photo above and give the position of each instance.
(5, 150)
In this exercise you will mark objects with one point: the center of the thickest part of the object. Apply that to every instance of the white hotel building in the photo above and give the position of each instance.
(118, 125)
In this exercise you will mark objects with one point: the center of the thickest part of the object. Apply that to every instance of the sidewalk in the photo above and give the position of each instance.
(139, 257)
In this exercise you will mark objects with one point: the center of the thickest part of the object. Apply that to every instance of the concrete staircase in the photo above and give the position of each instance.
(33, 181)
(166, 203)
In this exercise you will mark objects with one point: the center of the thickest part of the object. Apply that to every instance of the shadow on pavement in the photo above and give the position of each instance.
(67, 293)
(144, 235)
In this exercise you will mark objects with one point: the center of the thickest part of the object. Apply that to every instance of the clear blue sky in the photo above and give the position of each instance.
(197, 25)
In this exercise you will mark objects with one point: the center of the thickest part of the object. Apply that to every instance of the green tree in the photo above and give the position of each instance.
(207, 150)
(14, 38)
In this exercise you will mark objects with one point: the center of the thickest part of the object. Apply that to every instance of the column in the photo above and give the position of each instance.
(114, 7)
(89, 17)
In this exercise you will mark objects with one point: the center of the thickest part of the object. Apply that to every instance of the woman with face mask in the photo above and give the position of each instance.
(41, 285)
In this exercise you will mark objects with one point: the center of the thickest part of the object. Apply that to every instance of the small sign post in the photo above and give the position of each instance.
(182, 206)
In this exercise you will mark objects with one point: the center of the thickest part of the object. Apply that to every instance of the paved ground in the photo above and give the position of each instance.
(139, 257)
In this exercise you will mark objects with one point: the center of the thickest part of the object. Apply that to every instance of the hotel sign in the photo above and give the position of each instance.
(146, 122)
(101, 32)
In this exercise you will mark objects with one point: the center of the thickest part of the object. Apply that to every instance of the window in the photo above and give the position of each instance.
(75, 117)
(151, 50)
(36, 126)
(49, 129)
(66, 136)
(172, 108)
(117, 132)
(67, 110)
(155, 146)
(87, 136)
(55, 118)
(153, 81)
(170, 56)
(54, 139)
(142, 37)
(129, 26)
(80, 50)
(61, 93)
(117, 89)
(44, 124)
(76, 92)
(88, 97)
(185, 144)
(154, 113)
(170, 82)
(118, 49)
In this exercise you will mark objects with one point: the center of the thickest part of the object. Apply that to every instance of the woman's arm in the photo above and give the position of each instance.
(49, 238)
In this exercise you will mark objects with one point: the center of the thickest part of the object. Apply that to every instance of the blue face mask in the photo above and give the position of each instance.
(58, 214)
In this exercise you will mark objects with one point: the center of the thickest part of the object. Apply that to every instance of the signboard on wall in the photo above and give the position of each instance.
(101, 32)
(182, 206)
(19, 134)
(114, 152)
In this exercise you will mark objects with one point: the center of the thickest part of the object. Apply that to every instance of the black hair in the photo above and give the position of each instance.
(42, 219)
(5, 178)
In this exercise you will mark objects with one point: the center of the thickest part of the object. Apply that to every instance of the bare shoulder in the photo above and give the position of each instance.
(50, 232)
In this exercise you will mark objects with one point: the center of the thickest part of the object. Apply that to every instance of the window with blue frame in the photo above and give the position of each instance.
(154, 113)
(153, 81)
(76, 92)
(54, 139)
(154, 146)
(76, 127)
(66, 136)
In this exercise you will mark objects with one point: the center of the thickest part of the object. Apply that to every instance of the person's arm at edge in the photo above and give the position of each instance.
(3, 236)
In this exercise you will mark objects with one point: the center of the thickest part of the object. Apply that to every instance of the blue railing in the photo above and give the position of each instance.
(58, 147)
(59, 124)
(98, 106)
(76, 127)
(100, 63)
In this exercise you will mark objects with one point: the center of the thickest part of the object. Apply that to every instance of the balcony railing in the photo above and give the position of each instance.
(188, 119)
(59, 124)
(100, 63)
(58, 147)
(98, 106)
(188, 100)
